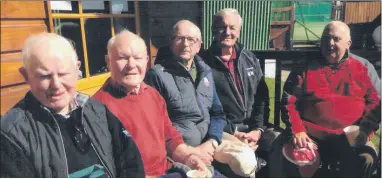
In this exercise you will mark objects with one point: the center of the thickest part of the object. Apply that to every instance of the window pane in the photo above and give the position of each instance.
(122, 7)
(95, 7)
(98, 32)
(64, 6)
(71, 29)
(124, 23)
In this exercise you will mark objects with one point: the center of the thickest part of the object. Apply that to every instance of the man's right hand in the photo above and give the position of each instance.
(194, 162)
(301, 139)
(205, 152)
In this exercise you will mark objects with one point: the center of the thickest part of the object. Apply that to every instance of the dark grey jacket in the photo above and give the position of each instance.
(33, 137)
(253, 110)
(190, 105)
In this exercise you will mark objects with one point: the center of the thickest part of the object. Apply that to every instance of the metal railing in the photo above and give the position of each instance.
(292, 59)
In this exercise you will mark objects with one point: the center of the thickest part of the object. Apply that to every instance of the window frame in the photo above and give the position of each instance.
(89, 81)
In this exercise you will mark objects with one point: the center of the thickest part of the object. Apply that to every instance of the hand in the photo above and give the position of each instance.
(301, 139)
(250, 138)
(361, 139)
(195, 163)
(206, 152)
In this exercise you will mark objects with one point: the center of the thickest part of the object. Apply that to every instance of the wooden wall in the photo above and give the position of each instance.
(19, 19)
(361, 12)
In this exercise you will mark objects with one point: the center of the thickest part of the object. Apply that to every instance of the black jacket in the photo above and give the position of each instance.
(31, 143)
(251, 113)
(193, 106)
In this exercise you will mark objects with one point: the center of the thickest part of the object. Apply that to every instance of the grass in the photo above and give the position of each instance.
(271, 86)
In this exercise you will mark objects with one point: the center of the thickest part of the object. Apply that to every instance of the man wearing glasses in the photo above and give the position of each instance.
(186, 83)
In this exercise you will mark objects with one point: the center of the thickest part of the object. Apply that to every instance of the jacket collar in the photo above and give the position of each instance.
(39, 109)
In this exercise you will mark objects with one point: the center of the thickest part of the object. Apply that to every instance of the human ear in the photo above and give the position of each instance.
(24, 73)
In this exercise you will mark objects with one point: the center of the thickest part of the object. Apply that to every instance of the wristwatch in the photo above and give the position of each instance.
(215, 143)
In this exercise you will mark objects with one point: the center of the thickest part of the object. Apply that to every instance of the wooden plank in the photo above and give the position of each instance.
(12, 95)
(23, 9)
(11, 57)
(10, 73)
(14, 33)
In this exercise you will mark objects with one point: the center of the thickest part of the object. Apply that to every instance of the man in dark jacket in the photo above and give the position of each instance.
(239, 81)
(336, 91)
(54, 131)
(186, 83)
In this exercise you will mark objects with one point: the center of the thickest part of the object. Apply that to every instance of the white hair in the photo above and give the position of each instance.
(175, 28)
(52, 40)
(227, 11)
(111, 42)
(340, 24)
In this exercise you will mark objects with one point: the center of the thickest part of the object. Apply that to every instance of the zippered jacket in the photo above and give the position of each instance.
(250, 112)
(33, 146)
(323, 99)
(193, 107)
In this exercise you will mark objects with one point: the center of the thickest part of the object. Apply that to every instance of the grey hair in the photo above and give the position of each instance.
(53, 40)
(175, 28)
(342, 25)
(227, 11)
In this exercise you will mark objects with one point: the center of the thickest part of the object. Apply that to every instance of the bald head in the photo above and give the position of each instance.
(182, 24)
(335, 41)
(340, 26)
(123, 38)
(48, 45)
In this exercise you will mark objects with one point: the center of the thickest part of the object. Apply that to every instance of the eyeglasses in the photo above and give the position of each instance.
(179, 39)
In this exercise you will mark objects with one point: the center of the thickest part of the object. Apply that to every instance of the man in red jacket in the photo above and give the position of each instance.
(329, 95)
(141, 108)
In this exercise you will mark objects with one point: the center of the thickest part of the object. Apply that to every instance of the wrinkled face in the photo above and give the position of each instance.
(186, 42)
(127, 62)
(334, 43)
(226, 30)
(52, 78)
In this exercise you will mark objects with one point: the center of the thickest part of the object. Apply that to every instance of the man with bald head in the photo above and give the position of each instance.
(185, 82)
(336, 91)
(54, 131)
(142, 110)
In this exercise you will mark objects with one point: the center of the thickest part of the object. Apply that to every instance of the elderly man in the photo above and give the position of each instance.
(54, 131)
(239, 82)
(186, 83)
(339, 90)
(141, 108)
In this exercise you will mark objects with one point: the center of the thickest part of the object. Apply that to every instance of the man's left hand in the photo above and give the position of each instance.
(206, 151)
(361, 139)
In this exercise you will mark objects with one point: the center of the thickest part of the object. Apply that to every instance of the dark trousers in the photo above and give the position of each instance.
(338, 159)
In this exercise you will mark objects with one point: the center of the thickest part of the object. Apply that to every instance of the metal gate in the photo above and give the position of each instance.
(256, 18)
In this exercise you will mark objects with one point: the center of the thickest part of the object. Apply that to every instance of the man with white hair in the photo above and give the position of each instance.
(54, 131)
(142, 110)
(336, 91)
(239, 82)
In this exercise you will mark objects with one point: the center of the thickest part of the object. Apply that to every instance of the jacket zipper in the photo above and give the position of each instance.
(108, 171)
(63, 146)
(242, 85)
(233, 82)
(91, 143)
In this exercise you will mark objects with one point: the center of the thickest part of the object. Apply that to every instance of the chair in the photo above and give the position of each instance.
(281, 32)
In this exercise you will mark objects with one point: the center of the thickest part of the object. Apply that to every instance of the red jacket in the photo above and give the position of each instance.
(321, 99)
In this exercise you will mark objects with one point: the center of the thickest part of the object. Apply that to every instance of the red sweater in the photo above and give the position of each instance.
(145, 117)
(323, 100)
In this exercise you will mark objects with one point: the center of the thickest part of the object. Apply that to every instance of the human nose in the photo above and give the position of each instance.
(56, 82)
(131, 62)
(331, 41)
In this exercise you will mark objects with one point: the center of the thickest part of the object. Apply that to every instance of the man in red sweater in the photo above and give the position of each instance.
(331, 94)
(141, 108)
